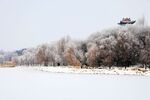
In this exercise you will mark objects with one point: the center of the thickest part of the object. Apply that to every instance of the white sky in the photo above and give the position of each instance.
(27, 23)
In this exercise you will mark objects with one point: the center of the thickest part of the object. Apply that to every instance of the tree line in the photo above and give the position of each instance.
(121, 46)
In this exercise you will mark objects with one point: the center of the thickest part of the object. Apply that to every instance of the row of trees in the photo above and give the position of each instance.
(121, 46)
(61, 53)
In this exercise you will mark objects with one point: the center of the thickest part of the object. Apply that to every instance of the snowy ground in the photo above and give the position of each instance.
(26, 83)
(107, 71)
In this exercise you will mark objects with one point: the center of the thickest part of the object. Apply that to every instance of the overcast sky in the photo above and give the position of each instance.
(27, 23)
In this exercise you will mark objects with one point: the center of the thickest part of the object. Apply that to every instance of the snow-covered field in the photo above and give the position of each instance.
(27, 83)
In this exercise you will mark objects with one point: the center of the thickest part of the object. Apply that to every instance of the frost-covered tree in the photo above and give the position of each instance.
(41, 55)
(1, 57)
(80, 52)
(145, 51)
(27, 57)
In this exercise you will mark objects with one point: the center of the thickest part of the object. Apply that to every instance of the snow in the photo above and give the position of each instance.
(37, 83)
(105, 70)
